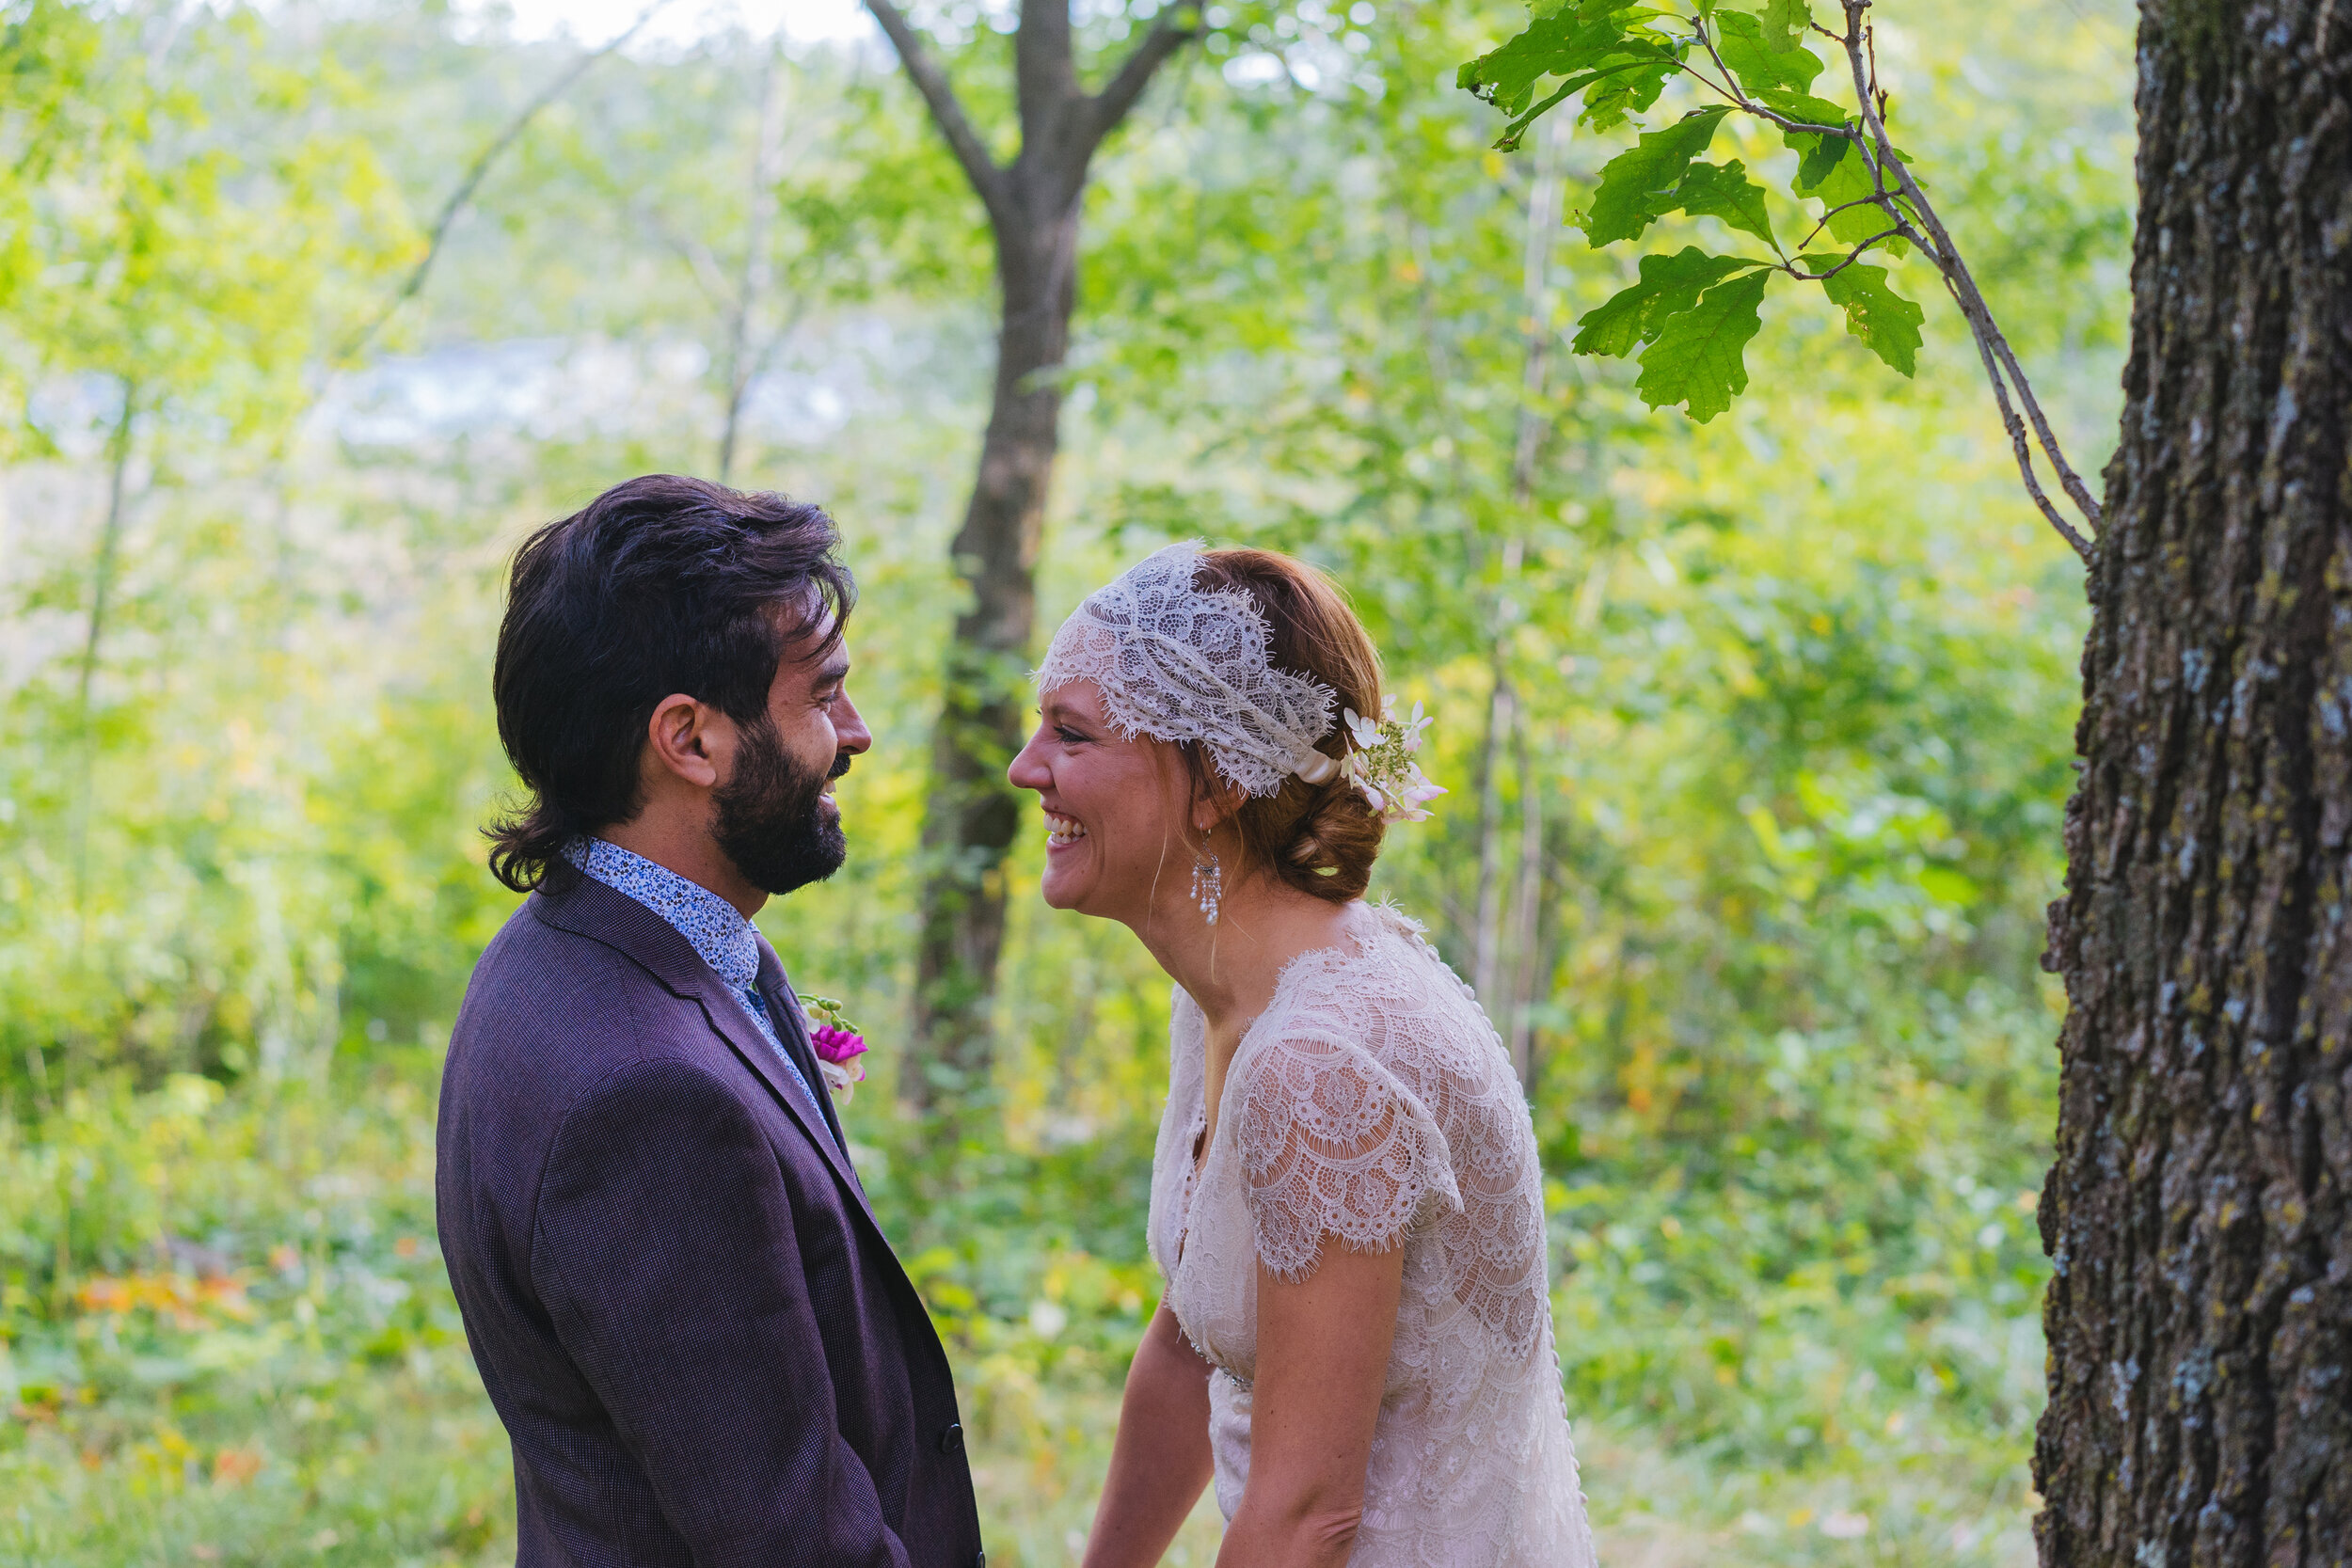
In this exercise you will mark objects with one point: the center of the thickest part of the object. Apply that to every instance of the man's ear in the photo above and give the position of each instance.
(681, 739)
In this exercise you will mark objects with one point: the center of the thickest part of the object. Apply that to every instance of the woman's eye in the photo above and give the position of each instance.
(1068, 736)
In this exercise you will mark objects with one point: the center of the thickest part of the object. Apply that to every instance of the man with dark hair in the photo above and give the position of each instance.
(685, 1312)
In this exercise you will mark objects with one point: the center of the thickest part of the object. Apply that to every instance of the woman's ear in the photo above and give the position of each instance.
(1213, 801)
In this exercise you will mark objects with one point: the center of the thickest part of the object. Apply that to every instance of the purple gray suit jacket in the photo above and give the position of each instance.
(684, 1311)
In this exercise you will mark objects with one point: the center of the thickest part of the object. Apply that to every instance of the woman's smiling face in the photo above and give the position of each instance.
(1115, 808)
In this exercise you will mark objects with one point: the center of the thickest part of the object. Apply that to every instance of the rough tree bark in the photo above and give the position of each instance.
(1033, 205)
(2200, 1324)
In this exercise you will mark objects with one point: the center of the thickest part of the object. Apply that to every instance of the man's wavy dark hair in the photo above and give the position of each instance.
(662, 584)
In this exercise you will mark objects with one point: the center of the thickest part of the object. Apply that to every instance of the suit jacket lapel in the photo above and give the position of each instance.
(784, 1004)
(586, 906)
(733, 1021)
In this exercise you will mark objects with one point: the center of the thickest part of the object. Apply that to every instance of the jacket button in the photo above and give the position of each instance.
(951, 1440)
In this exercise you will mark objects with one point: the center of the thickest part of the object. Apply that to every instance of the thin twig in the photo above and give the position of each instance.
(698, 257)
(1841, 207)
(1737, 95)
(1824, 276)
(1878, 155)
(1992, 346)
(767, 169)
(2024, 454)
(466, 187)
(1698, 29)
(118, 451)
(109, 542)
(1843, 132)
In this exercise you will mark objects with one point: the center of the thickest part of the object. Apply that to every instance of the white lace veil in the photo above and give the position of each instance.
(1177, 662)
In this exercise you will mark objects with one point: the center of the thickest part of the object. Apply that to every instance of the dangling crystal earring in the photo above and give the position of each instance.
(1208, 880)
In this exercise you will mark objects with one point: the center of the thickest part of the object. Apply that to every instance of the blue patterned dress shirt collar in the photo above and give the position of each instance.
(716, 929)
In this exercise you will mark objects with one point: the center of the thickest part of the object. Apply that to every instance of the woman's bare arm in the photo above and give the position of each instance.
(1323, 1362)
(1160, 1459)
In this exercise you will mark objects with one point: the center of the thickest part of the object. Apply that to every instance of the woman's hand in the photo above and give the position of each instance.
(1160, 1461)
(1323, 1363)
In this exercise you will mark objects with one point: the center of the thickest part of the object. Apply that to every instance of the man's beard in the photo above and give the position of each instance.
(770, 818)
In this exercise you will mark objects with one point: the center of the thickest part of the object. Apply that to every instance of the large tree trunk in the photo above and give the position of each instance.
(1033, 204)
(2200, 1324)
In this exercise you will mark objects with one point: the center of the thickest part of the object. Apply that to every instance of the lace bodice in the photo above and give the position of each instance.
(1371, 1102)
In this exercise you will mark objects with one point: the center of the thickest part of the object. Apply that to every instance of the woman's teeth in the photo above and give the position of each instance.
(1061, 830)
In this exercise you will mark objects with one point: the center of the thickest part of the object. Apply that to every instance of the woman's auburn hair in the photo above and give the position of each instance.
(1321, 839)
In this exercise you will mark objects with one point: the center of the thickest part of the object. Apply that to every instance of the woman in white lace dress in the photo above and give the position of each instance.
(1355, 1342)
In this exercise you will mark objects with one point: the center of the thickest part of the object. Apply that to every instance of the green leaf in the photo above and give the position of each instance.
(1846, 180)
(1698, 359)
(1627, 92)
(1885, 321)
(1725, 191)
(1652, 74)
(1636, 185)
(1761, 66)
(1669, 284)
(1785, 21)
(1578, 38)
(1831, 167)
(1801, 106)
(1818, 157)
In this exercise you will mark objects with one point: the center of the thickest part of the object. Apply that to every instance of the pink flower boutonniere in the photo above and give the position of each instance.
(839, 1044)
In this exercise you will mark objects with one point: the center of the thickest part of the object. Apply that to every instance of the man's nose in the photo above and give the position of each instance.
(848, 729)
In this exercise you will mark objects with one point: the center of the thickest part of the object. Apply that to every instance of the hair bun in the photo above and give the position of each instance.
(1334, 842)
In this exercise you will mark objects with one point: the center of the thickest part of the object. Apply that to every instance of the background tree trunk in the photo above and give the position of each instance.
(1033, 205)
(973, 812)
(2200, 1325)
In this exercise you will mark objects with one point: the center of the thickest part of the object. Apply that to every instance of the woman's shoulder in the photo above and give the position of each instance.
(1385, 994)
(1385, 963)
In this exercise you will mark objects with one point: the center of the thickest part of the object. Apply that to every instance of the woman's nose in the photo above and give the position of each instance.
(1027, 771)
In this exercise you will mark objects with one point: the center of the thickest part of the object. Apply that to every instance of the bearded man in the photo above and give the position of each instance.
(701, 1346)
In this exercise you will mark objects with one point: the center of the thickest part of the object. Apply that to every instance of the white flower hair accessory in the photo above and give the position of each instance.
(1177, 662)
(1380, 762)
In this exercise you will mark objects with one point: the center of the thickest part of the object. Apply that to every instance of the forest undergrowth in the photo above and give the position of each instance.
(229, 1338)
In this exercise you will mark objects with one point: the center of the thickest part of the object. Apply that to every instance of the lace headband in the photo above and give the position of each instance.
(1178, 662)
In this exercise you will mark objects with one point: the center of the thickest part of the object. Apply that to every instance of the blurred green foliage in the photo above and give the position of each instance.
(1754, 851)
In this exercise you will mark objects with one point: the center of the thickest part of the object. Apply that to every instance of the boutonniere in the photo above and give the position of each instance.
(839, 1044)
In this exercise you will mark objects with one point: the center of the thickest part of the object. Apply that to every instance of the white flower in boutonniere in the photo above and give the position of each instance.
(839, 1044)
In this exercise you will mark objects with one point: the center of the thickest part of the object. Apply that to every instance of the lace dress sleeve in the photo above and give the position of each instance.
(1333, 1144)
